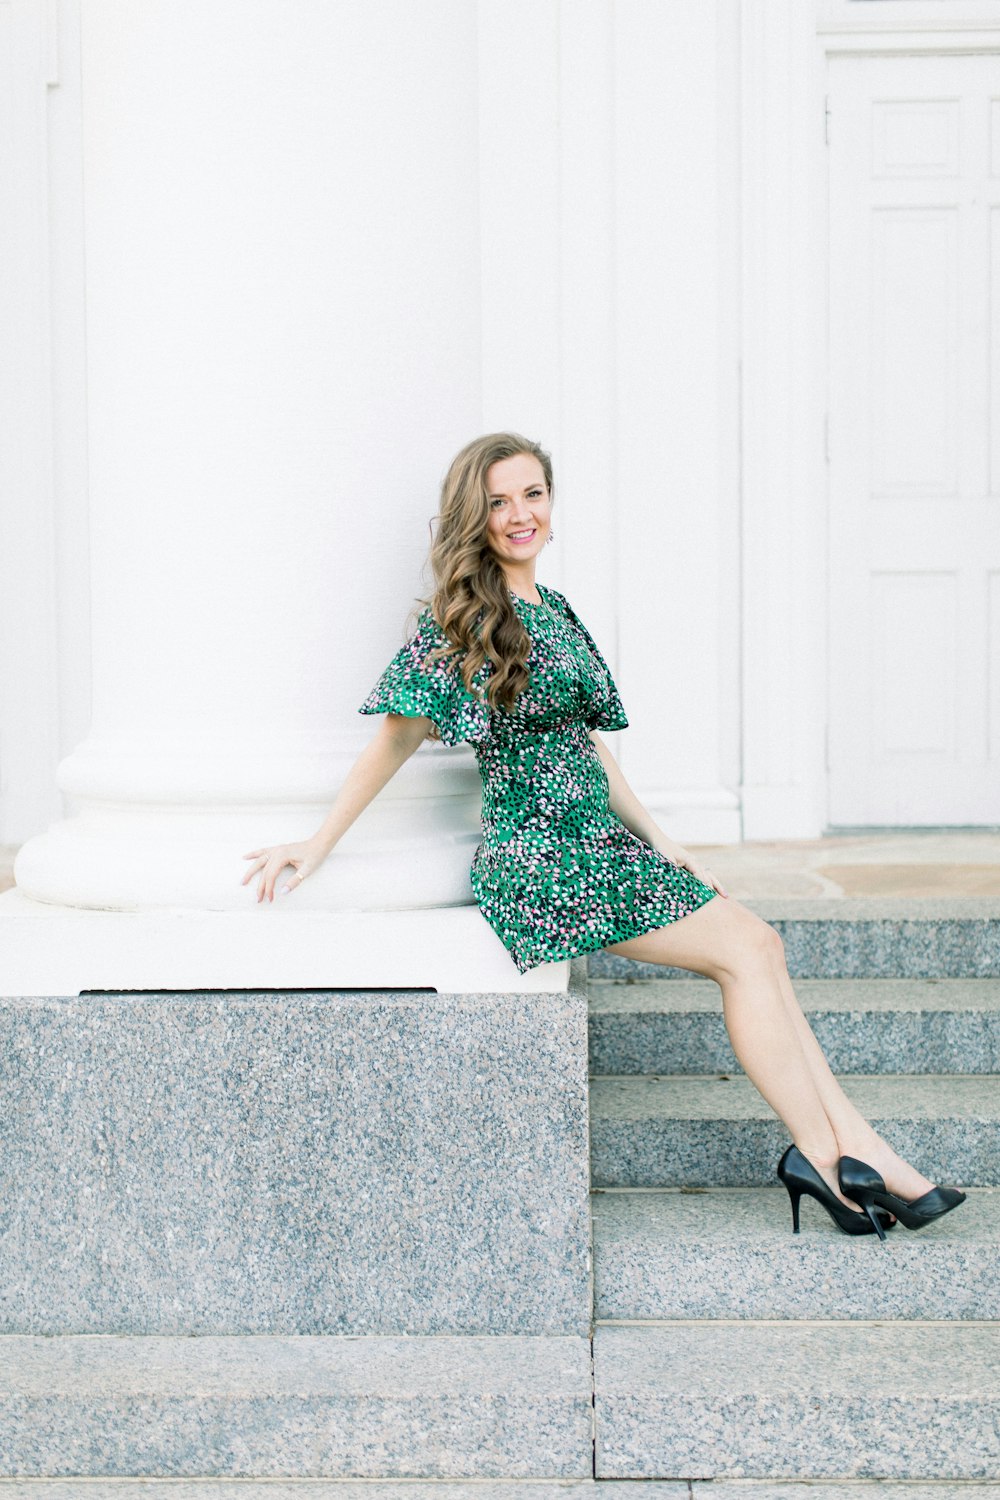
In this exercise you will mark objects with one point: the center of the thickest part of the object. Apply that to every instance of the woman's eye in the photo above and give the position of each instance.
(499, 500)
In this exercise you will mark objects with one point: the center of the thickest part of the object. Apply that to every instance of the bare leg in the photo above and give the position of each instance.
(745, 956)
(855, 1136)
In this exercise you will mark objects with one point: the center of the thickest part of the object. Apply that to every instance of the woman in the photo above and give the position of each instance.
(570, 861)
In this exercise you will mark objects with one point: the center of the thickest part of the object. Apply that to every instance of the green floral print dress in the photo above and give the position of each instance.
(556, 873)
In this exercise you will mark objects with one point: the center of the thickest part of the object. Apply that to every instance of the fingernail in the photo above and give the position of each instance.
(284, 890)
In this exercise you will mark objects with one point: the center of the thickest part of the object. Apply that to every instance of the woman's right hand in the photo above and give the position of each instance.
(397, 738)
(304, 857)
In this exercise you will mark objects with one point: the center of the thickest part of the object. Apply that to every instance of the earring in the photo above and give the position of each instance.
(550, 535)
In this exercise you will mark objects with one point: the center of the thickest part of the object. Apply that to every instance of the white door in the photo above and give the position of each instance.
(914, 440)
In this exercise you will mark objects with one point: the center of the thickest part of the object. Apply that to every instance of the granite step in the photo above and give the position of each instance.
(863, 1025)
(390, 1489)
(443, 1407)
(869, 938)
(480, 1489)
(865, 1489)
(363, 1489)
(833, 1401)
(718, 1132)
(730, 1253)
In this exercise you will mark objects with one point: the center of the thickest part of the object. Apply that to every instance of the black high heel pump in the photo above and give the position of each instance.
(862, 1183)
(800, 1176)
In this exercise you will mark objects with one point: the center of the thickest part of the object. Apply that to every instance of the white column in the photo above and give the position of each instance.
(784, 473)
(29, 636)
(282, 251)
(676, 417)
(259, 471)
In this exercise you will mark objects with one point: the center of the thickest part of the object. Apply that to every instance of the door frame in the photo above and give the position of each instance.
(784, 374)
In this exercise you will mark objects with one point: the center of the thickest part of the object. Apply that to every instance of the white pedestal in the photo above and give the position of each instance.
(52, 950)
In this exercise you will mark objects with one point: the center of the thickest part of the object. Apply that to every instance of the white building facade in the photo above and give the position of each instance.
(273, 262)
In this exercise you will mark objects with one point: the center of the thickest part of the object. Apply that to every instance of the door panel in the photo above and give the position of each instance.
(914, 440)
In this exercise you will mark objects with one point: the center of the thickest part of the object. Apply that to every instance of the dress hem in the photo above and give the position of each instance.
(638, 927)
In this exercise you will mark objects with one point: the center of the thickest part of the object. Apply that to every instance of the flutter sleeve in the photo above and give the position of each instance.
(603, 708)
(435, 690)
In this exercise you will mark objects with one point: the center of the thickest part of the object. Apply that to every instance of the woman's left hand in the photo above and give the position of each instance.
(687, 861)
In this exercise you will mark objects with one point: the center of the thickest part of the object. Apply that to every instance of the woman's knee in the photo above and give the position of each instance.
(722, 940)
(754, 945)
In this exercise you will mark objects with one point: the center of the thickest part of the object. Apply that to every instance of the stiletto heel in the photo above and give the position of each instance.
(800, 1176)
(862, 1183)
(869, 1209)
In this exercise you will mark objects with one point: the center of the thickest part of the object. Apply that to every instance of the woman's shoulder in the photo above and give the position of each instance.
(429, 634)
(559, 602)
(553, 596)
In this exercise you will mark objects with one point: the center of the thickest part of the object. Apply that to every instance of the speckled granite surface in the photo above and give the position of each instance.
(730, 1253)
(346, 1489)
(833, 1400)
(866, 938)
(343, 1163)
(680, 1399)
(501, 1489)
(675, 1132)
(478, 1489)
(863, 1025)
(870, 1489)
(433, 1407)
(383, 1489)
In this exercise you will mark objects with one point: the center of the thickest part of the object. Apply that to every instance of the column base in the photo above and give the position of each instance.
(61, 950)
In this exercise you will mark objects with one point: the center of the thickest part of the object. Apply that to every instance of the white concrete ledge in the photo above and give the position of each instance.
(57, 950)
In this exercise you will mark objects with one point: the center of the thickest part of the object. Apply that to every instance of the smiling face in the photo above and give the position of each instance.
(520, 506)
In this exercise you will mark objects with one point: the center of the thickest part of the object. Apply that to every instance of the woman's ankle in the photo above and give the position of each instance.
(823, 1158)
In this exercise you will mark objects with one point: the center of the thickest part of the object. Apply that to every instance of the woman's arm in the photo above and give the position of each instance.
(626, 806)
(397, 738)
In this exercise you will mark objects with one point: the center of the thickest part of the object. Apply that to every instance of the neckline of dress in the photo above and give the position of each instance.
(533, 603)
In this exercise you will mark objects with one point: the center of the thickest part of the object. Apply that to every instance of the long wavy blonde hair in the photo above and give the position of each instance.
(471, 599)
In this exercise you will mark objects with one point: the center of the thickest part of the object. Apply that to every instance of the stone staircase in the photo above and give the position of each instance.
(729, 1359)
(724, 1346)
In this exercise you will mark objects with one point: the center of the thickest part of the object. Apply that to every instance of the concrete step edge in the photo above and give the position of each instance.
(501, 1489)
(347, 1489)
(875, 908)
(922, 1096)
(720, 1097)
(892, 995)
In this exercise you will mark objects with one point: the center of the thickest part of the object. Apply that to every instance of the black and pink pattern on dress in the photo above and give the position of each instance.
(557, 873)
